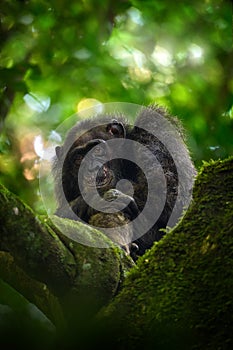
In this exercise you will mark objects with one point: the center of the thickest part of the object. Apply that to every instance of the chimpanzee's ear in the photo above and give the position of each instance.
(58, 151)
(116, 129)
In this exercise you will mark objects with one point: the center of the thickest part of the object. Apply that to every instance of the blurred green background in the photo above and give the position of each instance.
(58, 57)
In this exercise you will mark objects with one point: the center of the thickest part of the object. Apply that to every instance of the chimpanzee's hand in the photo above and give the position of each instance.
(130, 208)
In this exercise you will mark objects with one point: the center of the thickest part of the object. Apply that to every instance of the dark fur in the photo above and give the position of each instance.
(128, 170)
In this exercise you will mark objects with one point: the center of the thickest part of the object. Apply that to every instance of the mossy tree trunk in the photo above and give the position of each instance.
(52, 271)
(180, 293)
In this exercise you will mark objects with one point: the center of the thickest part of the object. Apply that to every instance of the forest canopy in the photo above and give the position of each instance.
(58, 58)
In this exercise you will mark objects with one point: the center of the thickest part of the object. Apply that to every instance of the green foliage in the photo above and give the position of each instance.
(56, 54)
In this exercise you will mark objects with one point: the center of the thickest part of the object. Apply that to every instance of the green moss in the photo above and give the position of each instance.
(99, 263)
(50, 249)
(180, 294)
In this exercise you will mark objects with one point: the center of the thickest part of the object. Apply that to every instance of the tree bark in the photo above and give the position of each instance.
(48, 268)
(179, 294)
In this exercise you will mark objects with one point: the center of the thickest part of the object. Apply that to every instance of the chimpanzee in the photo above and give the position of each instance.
(87, 143)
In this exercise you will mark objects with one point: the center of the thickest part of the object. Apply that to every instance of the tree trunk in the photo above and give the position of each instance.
(179, 294)
(50, 269)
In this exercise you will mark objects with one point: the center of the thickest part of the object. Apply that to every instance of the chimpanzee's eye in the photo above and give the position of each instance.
(116, 129)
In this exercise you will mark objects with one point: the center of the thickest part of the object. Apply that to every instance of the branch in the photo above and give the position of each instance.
(37, 252)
